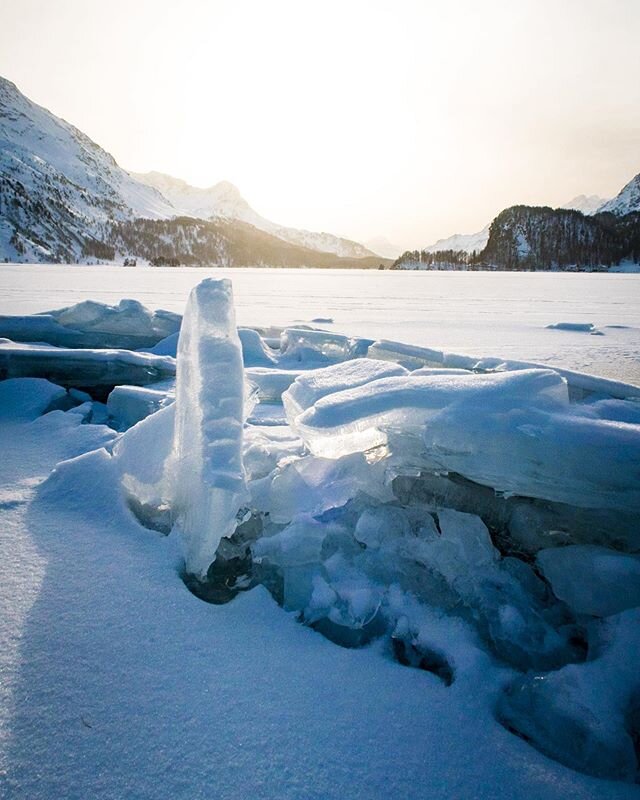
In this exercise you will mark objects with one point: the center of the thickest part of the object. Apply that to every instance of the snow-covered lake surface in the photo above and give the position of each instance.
(483, 314)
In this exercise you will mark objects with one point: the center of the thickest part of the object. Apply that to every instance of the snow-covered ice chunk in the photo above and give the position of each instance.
(313, 485)
(534, 452)
(141, 455)
(410, 356)
(307, 344)
(266, 446)
(314, 384)
(83, 368)
(28, 398)
(615, 410)
(255, 351)
(165, 347)
(592, 580)
(271, 382)
(356, 419)
(583, 714)
(127, 405)
(39, 328)
(206, 465)
(128, 325)
(512, 431)
(585, 327)
(581, 384)
(439, 371)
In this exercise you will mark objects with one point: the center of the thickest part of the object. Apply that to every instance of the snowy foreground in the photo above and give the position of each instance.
(421, 568)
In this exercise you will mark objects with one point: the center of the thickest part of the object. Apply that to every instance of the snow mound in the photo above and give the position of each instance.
(28, 398)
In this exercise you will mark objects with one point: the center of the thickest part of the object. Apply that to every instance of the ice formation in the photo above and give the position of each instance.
(127, 405)
(84, 368)
(129, 325)
(586, 715)
(271, 383)
(592, 580)
(512, 431)
(584, 327)
(300, 344)
(462, 510)
(255, 351)
(205, 467)
(311, 386)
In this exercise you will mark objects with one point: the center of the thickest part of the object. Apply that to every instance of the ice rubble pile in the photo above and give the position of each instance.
(457, 509)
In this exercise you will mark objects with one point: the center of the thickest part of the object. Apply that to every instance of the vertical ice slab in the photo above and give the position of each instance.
(206, 466)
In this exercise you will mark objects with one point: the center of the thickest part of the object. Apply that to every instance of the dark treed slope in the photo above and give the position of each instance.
(194, 242)
(542, 238)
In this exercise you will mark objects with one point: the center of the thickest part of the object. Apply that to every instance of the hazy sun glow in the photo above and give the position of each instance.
(410, 120)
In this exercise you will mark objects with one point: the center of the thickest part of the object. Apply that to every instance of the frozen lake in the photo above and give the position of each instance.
(483, 314)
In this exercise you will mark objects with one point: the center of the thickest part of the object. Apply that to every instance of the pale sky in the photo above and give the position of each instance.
(406, 119)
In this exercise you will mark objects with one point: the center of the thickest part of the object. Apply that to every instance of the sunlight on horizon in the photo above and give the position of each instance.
(406, 120)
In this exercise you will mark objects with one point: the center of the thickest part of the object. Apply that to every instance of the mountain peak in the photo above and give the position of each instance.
(587, 204)
(626, 201)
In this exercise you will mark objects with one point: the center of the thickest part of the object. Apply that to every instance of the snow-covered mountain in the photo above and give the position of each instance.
(58, 186)
(224, 201)
(626, 201)
(64, 198)
(383, 247)
(587, 203)
(467, 242)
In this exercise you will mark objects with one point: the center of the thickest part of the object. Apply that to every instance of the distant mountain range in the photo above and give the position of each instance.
(588, 232)
(587, 203)
(63, 198)
(476, 242)
(224, 201)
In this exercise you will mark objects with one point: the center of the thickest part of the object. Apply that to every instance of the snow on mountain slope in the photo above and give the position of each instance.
(63, 198)
(588, 204)
(223, 200)
(626, 201)
(382, 246)
(58, 186)
(468, 242)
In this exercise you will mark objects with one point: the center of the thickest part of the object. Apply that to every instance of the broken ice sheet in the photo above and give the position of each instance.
(592, 580)
(128, 325)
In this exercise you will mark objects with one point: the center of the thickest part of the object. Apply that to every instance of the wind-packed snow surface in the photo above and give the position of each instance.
(456, 541)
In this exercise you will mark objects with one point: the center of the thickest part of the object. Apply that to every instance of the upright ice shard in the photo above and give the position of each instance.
(205, 471)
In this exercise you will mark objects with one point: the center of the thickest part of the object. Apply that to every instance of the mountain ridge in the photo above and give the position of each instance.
(63, 197)
(224, 200)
